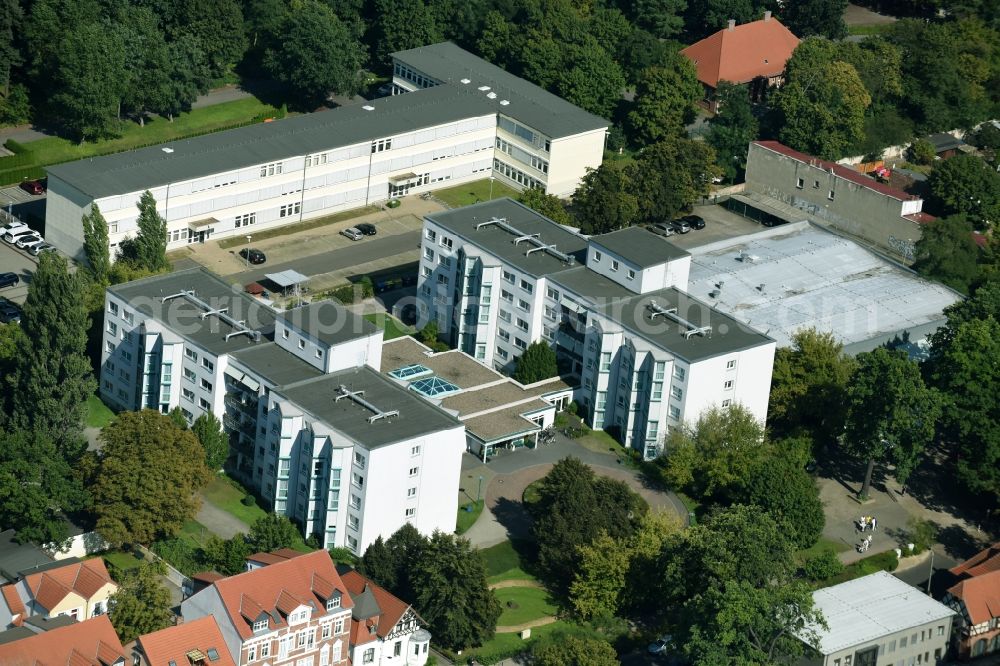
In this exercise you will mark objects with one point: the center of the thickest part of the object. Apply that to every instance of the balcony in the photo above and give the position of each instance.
(241, 401)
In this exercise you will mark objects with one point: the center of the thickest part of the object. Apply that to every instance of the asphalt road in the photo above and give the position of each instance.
(360, 252)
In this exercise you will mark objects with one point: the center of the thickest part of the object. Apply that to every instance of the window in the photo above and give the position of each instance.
(289, 209)
(355, 501)
(270, 169)
(381, 145)
(415, 450)
(353, 522)
(902, 642)
(368, 656)
(552, 293)
(411, 492)
(508, 277)
(605, 361)
(506, 316)
(397, 649)
(506, 295)
(676, 393)
(414, 470)
(359, 460)
(502, 353)
(428, 254)
(614, 265)
(359, 480)
(338, 626)
(527, 286)
(726, 403)
(245, 220)
(204, 404)
(675, 413)
(523, 305)
(208, 364)
(252, 653)
(521, 324)
(830, 195)
(652, 431)
(631, 274)
(799, 182)
(940, 631)
(207, 385)
(480, 352)
(520, 344)
(260, 625)
(504, 334)
(410, 513)
(430, 235)
(446, 242)
(728, 385)
(657, 391)
(189, 374)
(730, 365)
(112, 328)
(597, 256)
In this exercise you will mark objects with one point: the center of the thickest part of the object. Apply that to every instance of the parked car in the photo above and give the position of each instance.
(9, 280)
(9, 312)
(13, 236)
(661, 645)
(33, 186)
(30, 245)
(366, 229)
(694, 221)
(27, 239)
(661, 228)
(13, 226)
(680, 226)
(255, 257)
(43, 247)
(353, 233)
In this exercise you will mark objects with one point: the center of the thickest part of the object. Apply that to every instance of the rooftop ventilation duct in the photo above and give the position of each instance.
(358, 397)
(671, 313)
(209, 311)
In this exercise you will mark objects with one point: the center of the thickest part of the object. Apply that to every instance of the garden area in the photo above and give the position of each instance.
(475, 192)
(98, 414)
(468, 514)
(393, 327)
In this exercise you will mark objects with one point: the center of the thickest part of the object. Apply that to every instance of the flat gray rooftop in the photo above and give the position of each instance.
(799, 275)
(500, 242)
(219, 152)
(329, 321)
(417, 417)
(275, 364)
(16, 557)
(186, 319)
(639, 246)
(872, 607)
(528, 103)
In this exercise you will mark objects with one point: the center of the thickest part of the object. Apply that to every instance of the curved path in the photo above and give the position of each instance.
(517, 583)
(517, 628)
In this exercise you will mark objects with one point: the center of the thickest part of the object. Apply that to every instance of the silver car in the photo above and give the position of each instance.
(30, 245)
(661, 228)
(27, 239)
(353, 233)
(41, 247)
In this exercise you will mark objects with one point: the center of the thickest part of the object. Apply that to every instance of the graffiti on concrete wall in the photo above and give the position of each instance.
(903, 247)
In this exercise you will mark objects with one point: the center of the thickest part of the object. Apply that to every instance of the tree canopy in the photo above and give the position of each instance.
(536, 363)
(208, 429)
(732, 129)
(947, 253)
(142, 603)
(664, 100)
(604, 201)
(271, 532)
(548, 205)
(147, 478)
(965, 185)
(671, 176)
(95, 244)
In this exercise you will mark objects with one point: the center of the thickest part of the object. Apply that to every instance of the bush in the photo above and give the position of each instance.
(921, 152)
(248, 500)
(921, 533)
(180, 554)
(823, 566)
(572, 408)
(882, 562)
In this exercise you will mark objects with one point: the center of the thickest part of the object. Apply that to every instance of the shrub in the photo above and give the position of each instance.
(921, 533)
(823, 566)
(882, 562)
(921, 152)
(248, 500)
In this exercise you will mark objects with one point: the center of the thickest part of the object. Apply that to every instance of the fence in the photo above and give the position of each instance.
(173, 575)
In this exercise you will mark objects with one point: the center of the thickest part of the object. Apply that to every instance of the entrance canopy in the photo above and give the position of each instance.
(402, 178)
(286, 279)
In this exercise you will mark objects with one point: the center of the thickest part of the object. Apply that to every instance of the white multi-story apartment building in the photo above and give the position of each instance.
(498, 276)
(233, 182)
(318, 431)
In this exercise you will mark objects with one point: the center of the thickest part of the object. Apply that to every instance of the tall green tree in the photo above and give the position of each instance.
(227, 556)
(965, 185)
(665, 99)
(809, 387)
(676, 172)
(11, 17)
(816, 17)
(52, 377)
(731, 130)
(605, 200)
(558, 650)
(548, 205)
(142, 603)
(380, 564)
(213, 439)
(662, 18)
(217, 25)
(406, 545)
(785, 490)
(891, 414)
(401, 25)
(95, 244)
(88, 71)
(147, 478)
(38, 485)
(150, 243)
(706, 17)
(947, 253)
(317, 53)
(452, 594)
(272, 532)
(189, 76)
(965, 371)
(591, 79)
(147, 63)
(536, 363)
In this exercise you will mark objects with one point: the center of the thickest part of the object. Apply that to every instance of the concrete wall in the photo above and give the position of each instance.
(891, 651)
(65, 207)
(571, 158)
(854, 209)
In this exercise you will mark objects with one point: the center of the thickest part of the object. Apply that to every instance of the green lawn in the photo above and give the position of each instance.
(503, 562)
(194, 533)
(467, 519)
(121, 561)
(529, 603)
(509, 643)
(223, 494)
(530, 494)
(474, 192)
(239, 241)
(98, 414)
(820, 546)
(156, 130)
(393, 327)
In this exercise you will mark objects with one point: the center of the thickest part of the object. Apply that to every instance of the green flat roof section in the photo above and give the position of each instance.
(639, 246)
(186, 319)
(219, 152)
(528, 103)
(417, 417)
(500, 242)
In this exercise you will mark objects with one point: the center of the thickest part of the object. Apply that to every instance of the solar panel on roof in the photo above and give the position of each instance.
(434, 387)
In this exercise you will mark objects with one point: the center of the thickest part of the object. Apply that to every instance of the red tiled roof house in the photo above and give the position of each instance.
(76, 589)
(754, 53)
(292, 611)
(976, 597)
(195, 643)
(89, 643)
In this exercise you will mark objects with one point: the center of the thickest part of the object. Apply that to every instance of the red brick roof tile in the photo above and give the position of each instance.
(984, 561)
(92, 642)
(13, 601)
(53, 585)
(741, 54)
(981, 595)
(393, 608)
(174, 643)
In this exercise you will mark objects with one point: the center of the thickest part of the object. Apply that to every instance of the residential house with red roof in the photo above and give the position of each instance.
(294, 612)
(385, 630)
(195, 643)
(69, 587)
(91, 642)
(976, 597)
(834, 195)
(753, 54)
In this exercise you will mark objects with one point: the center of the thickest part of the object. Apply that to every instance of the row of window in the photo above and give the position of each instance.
(413, 77)
(522, 156)
(517, 175)
(800, 183)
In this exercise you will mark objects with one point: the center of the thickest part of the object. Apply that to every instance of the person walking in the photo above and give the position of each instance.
(874, 523)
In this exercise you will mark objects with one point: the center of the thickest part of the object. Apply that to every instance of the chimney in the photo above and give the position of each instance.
(767, 15)
(732, 24)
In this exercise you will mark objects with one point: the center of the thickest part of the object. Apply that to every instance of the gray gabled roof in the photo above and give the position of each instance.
(639, 247)
(219, 152)
(534, 106)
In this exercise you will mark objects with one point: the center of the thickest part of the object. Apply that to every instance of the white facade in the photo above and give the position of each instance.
(639, 374)
(329, 467)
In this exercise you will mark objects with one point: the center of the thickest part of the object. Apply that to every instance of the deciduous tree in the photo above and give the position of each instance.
(536, 363)
(227, 556)
(380, 564)
(664, 101)
(213, 439)
(548, 205)
(891, 414)
(806, 18)
(676, 172)
(558, 650)
(401, 25)
(591, 79)
(147, 61)
(662, 18)
(272, 532)
(142, 603)
(88, 71)
(732, 129)
(452, 594)
(95, 244)
(966, 185)
(217, 25)
(947, 253)
(786, 491)
(147, 479)
(150, 244)
(605, 200)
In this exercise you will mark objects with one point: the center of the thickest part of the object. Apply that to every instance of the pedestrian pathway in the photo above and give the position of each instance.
(219, 522)
(517, 583)
(518, 628)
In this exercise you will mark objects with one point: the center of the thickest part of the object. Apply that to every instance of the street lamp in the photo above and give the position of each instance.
(930, 574)
(479, 495)
(491, 188)
(248, 251)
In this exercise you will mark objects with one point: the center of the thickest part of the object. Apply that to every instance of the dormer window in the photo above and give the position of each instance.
(260, 625)
(333, 602)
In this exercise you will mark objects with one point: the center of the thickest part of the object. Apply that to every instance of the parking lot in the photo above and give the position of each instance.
(13, 260)
(720, 224)
(16, 196)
